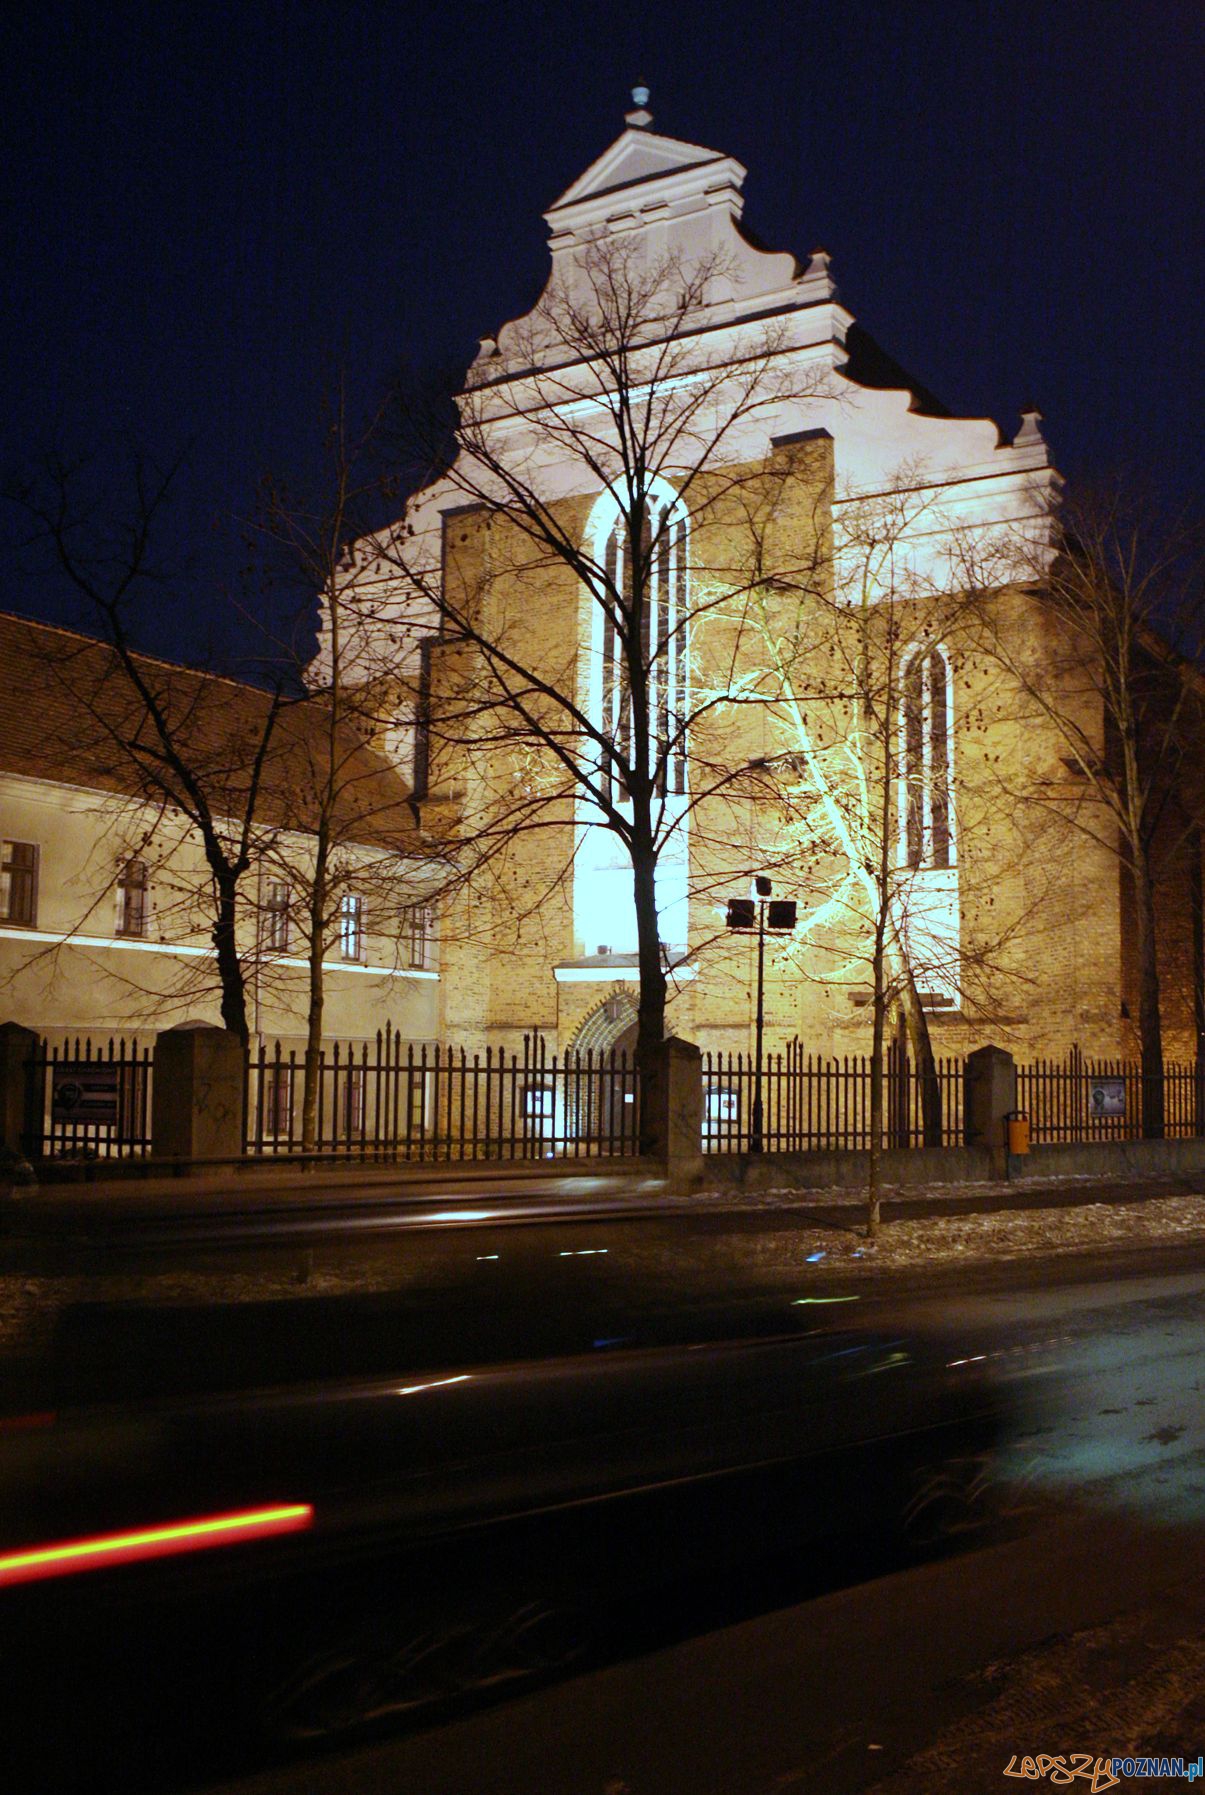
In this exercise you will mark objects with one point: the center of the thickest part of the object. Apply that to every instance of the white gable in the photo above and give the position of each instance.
(645, 181)
(676, 204)
(638, 156)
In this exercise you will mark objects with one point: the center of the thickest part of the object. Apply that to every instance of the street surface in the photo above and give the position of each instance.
(1084, 1632)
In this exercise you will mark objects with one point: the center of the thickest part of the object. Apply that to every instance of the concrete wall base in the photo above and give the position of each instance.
(1111, 1159)
(840, 1169)
(910, 1167)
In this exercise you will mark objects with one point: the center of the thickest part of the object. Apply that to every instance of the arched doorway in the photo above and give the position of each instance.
(601, 1070)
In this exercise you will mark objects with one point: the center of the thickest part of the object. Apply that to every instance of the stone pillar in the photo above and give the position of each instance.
(989, 1095)
(18, 1122)
(681, 1085)
(197, 1094)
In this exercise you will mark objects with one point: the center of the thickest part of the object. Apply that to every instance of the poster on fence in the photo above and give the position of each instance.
(1107, 1096)
(84, 1092)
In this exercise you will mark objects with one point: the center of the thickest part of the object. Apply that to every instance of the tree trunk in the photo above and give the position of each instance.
(650, 1021)
(874, 1170)
(926, 1064)
(1150, 1024)
(312, 1087)
(230, 967)
(1196, 886)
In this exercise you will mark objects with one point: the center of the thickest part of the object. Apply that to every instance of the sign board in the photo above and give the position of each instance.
(1107, 1096)
(84, 1091)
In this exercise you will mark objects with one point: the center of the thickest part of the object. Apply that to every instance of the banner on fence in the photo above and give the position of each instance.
(84, 1092)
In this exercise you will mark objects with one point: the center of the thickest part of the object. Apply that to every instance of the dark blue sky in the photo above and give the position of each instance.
(212, 208)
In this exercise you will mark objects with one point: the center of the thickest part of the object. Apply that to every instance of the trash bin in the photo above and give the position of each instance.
(1017, 1125)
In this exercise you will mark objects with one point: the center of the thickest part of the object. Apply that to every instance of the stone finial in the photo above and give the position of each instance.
(1029, 436)
(640, 119)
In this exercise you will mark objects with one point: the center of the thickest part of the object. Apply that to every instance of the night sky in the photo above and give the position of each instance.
(211, 210)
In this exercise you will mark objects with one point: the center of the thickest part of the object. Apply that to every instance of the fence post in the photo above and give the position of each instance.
(20, 1124)
(991, 1091)
(681, 1091)
(197, 1093)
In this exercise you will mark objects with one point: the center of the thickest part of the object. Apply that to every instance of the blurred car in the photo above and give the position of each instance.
(347, 1508)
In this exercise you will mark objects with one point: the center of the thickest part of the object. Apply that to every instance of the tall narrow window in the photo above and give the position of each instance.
(420, 937)
(644, 623)
(351, 926)
(132, 895)
(278, 918)
(19, 883)
(925, 796)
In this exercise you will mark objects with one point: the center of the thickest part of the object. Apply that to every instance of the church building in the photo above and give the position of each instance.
(703, 539)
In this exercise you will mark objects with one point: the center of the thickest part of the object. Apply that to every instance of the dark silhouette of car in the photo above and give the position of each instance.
(348, 1508)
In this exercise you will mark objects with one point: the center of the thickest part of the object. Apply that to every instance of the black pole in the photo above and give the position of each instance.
(755, 1137)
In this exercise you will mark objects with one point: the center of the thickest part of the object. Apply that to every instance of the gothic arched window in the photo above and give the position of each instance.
(661, 624)
(927, 831)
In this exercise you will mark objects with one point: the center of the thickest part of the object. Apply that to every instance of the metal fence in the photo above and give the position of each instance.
(389, 1100)
(1083, 1099)
(89, 1100)
(810, 1102)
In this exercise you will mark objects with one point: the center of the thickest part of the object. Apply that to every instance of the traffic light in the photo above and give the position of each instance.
(742, 913)
(780, 913)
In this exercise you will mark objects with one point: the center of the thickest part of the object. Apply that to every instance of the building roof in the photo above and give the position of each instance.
(869, 364)
(73, 715)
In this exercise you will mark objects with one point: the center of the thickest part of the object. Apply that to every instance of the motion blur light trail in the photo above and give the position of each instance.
(67, 1556)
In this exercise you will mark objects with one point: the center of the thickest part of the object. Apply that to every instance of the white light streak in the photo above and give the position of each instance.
(437, 1383)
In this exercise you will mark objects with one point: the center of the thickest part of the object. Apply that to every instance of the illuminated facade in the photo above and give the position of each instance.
(105, 897)
(1013, 922)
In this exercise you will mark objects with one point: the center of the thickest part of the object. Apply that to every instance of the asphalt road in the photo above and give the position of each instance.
(1085, 1632)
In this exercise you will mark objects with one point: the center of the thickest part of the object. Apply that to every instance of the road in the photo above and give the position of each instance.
(1083, 1633)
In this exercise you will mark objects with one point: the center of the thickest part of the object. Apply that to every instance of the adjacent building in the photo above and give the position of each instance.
(106, 901)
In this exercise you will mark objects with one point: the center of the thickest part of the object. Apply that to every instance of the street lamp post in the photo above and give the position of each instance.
(761, 911)
(756, 1132)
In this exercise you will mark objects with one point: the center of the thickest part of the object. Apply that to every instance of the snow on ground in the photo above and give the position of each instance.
(1012, 1233)
(1023, 1192)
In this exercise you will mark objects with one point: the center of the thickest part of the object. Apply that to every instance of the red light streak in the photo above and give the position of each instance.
(27, 1423)
(64, 1557)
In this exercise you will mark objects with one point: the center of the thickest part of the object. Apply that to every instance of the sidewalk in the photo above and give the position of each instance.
(329, 1200)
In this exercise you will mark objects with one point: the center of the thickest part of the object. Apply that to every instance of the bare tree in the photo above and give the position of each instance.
(607, 457)
(349, 853)
(167, 734)
(1106, 666)
(877, 703)
(860, 631)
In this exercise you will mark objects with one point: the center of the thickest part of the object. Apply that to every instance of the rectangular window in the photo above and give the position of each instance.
(351, 926)
(19, 883)
(133, 1091)
(352, 1103)
(416, 1094)
(132, 894)
(278, 1101)
(420, 938)
(539, 1107)
(278, 918)
(721, 1110)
